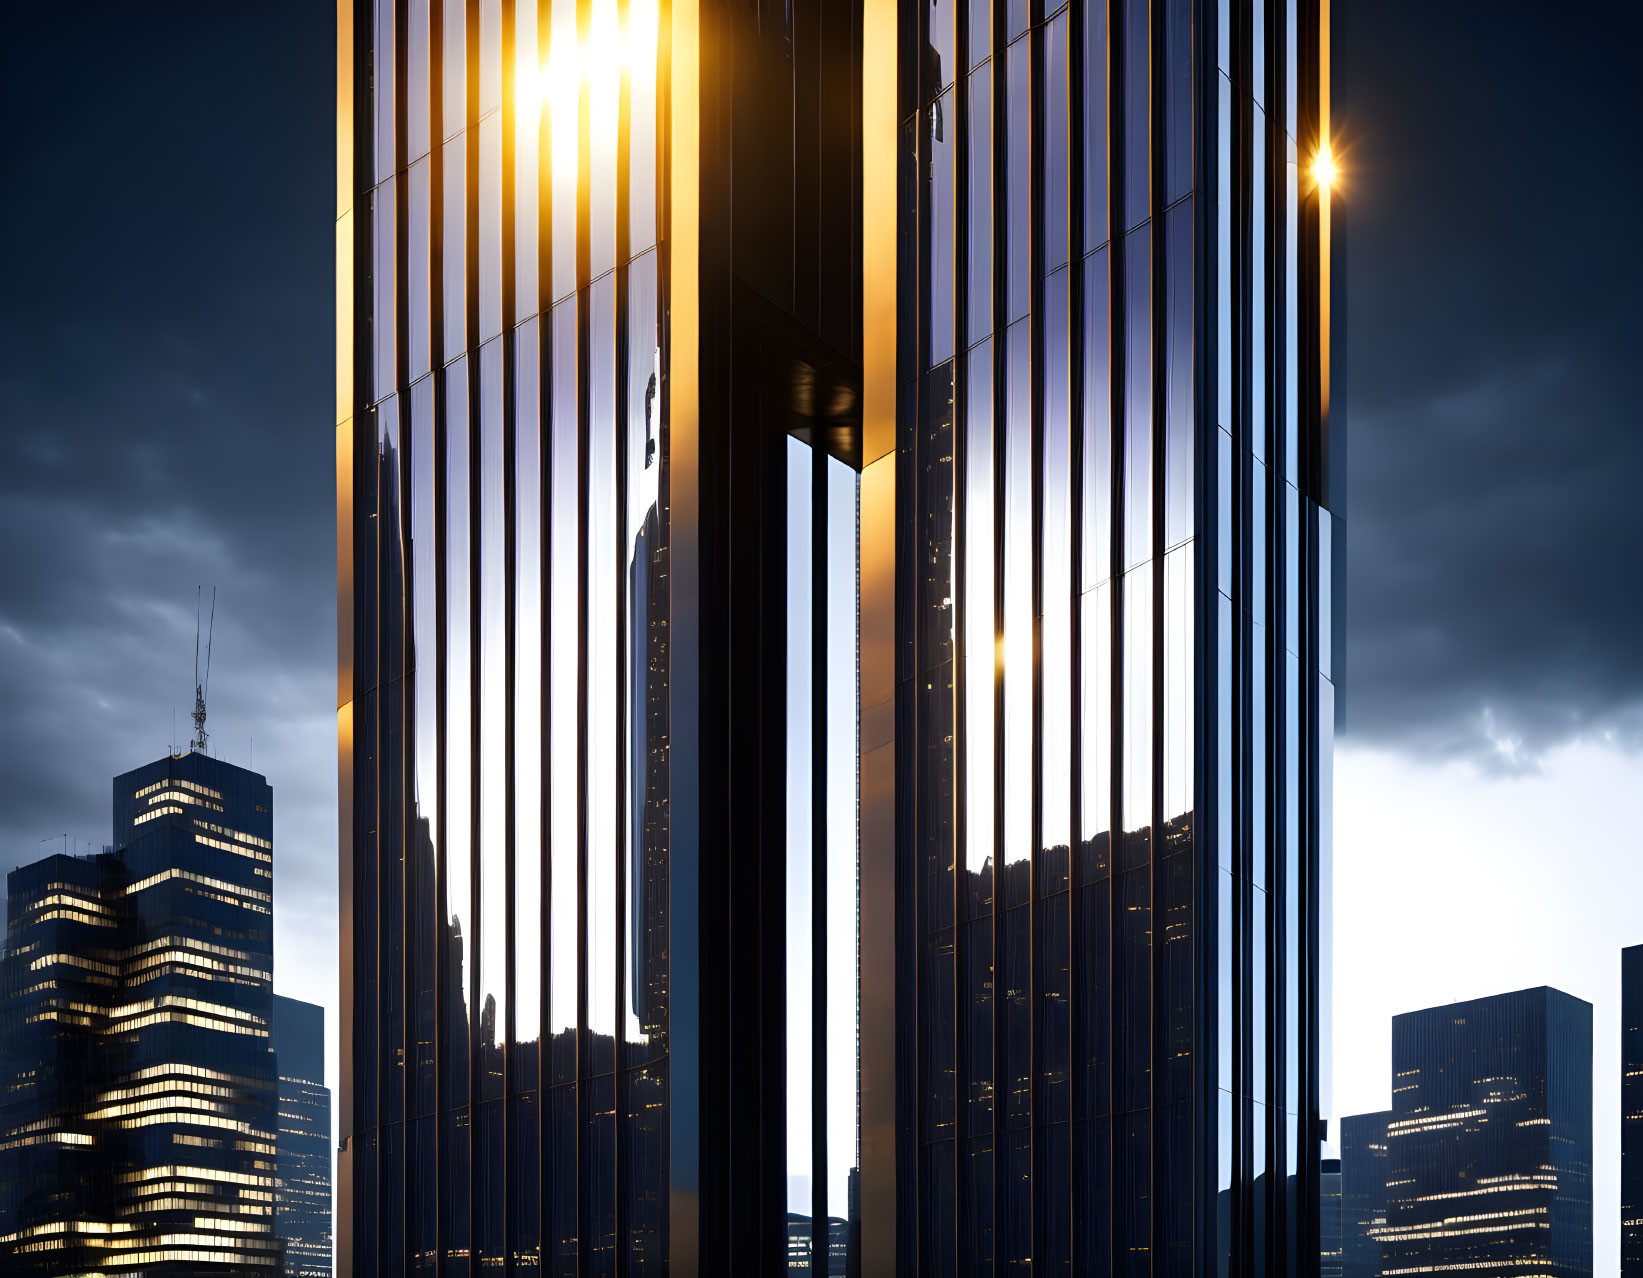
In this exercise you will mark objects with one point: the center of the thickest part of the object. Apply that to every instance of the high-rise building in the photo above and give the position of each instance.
(840, 539)
(138, 1128)
(302, 1200)
(1631, 1112)
(1331, 1249)
(1363, 1192)
(1489, 1149)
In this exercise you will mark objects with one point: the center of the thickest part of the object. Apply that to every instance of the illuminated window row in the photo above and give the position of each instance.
(191, 1071)
(177, 942)
(157, 812)
(184, 1171)
(180, 784)
(89, 904)
(74, 960)
(49, 1138)
(254, 854)
(241, 835)
(174, 873)
(179, 796)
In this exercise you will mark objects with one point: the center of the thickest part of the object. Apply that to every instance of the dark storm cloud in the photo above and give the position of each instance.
(165, 410)
(1496, 593)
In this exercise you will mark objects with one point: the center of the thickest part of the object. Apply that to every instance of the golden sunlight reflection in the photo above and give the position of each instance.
(1325, 172)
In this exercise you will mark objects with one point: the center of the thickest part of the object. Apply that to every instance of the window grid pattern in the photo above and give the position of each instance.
(1120, 675)
(509, 925)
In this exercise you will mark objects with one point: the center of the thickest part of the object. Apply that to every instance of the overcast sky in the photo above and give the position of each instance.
(165, 393)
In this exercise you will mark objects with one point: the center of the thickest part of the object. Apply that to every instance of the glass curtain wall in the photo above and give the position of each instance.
(499, 195)
(1120, 671)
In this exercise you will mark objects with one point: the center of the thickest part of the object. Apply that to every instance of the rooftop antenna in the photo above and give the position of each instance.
(198, 743)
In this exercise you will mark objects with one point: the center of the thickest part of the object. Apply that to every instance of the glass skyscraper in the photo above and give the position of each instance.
(1364, 1179)
(839, 537)
(138, 1125)
(1331, 1254)
(1488, 1164)
(1631, 1112)
(302, 1197)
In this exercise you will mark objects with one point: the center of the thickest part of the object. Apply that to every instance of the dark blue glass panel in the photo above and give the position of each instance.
(975, 1258)
(1096, 219)
(940, 1040)
(1092, 999)
(1179, 407)
(940, 192)
(1137, 396)
(393, 1200)
(524, 1188)
(1015, 1224)
(364, 1205)
(1132, 1187)
(1053, 1198)
(979, 192)
(644, 1169)
(1132, 990)
(422, 1176)
(1055, 143)
(1092, 1194)
(1136, 114)
(561, 1226)
(1018, 160)
(599, 1184)
(454, 1188)
(976, 1004)
(1016, 1040)
(939, 1214)
(1097, 412)
(1178, 112)
(490, 1191)
(1054, 1007)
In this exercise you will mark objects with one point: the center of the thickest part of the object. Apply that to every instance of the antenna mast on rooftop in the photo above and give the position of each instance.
(198, 743)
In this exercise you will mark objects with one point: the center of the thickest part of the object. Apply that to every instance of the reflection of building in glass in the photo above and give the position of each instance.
(839, 525)
(302, 1202)
(1489, 1143)
(1331, 1252)
(138, 1128)
(1631, 1112)
(1363, 1192)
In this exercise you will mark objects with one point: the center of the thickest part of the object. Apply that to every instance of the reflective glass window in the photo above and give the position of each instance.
(491, 951)
(941, 190)
(453, 239)
(418, 80)
(643, 22)
(941, 38)
(453, 86)
(1180, 415)
(800, 871)
(603, 79)
(1056, 594)
(1018, 614)
(527, 161)
(423, 746)
(1137, 396)
(418, 262)
(529, 691)
(1137, 114)
(1095, 709)
(459, 779)
(981, 660)
(384, 310)
(383, 89)
(1018, 157)
(1055, 143)
(490, 226)
(564, 623)
(1097, 409)
(979, 180)
(1095, 124)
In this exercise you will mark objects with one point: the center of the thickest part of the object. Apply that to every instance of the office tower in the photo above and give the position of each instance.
(1364, 1178)
(839, 537)
(1331, 1249)
(1489, 1150)
(139, 1124)
(302, 1199)
(1631, 1112)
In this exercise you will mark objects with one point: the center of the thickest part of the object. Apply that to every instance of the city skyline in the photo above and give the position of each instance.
(1517, 707)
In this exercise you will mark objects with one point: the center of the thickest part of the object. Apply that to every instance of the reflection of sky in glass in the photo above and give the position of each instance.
(1056, 549)
(493, 695)
(800, 673)
(1018, 597)
(563, 623)
(843, 553)
(527, 675)
(1137, 792)
(980, 655)
(458, 673)
(600, 728)
(1178, 681)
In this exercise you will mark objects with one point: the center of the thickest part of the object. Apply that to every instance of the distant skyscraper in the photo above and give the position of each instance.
(840, 525)
(1363, 1192)
(302, 1202)
(138, 1130)
(1489, 1147)
(1329, 1219)
(1631, 1112)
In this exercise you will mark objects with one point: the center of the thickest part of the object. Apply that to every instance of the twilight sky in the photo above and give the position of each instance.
(165, 393)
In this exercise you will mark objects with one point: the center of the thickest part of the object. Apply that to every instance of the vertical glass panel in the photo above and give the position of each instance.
(843, 557)
(562, 1228)
(1137, 114)
(564, 624)
(976, 1013)
(642, 122)
(1018, 13)
(1226, 1027)
(385, 308)
(1292, 570)
(1260, 528)
(1018, 157)
(1261, 997)
(1095, 708)
(1224, 196)
(490, 226)
(1292, 350)
(979, 180)
(1291, 69)
(1096, 219)
(646, 676)
(454, 1195)
(563, 81)
(599, 1184)
(392, 1202)
(1137, 396)
(941, 41)
(939, 197)
(527, 161)
(980, 29)
(1294, 887)
(490, 1189)
(1178, 684)
(1097, 459)
(1179, 410)
(1257, 54)
(1015, 1224)
(603, 75)
(425, 933)
(1178, 81)
(490, 55)
(1258, 773)
(937, 587)
(800, 826)
(1226, 548)
(418, 80)
(459, 936)
(453, 87)
(980, 632)
(1226, 690)
(1326, 591)
(603, 690)
(524, 1190)
(975, 1242)
(1092, 1181)
(644, 1174)
(383, 88)
(938, 1102)
(453, 240)
(1018, 616)
(529, 610)
(1015, 1011)
(1054, 986)
(418, 259)
(1055, 143)
(1259, 344)
(1092, 998)
(1138, 649)
(422, 1180)
(492, 949)
(1056, 595)
(1324, 920)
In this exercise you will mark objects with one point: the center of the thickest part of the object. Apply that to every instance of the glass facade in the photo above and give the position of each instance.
(837, 524)
(1631, 1112)
(1331, 1255)
(138, 1130)
(302, 1196)
(1364, 1179)
(1488, 1164)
